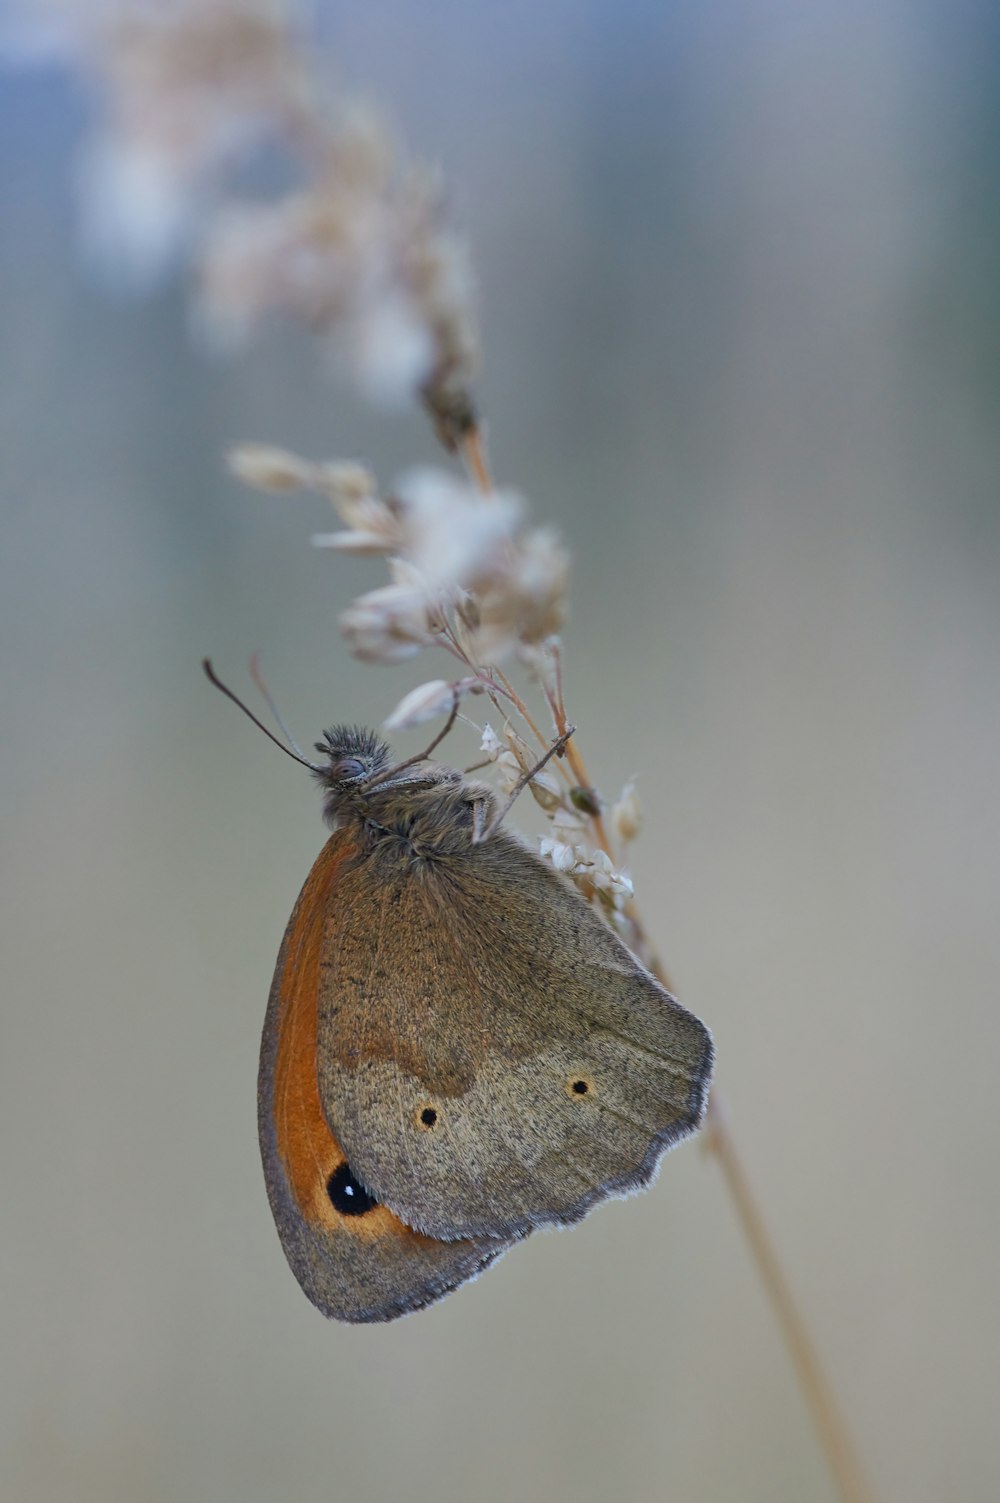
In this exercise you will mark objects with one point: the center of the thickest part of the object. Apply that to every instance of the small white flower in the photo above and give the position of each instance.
(491, 743)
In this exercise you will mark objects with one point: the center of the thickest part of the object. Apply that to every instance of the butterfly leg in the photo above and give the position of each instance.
(480, 809)
(555, 750)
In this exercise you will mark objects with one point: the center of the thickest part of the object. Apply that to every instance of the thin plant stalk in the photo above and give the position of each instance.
(719, 1141)
(157, 84)
(819, 1396)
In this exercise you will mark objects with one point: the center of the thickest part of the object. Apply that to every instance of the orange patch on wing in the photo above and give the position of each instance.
(308, 1149)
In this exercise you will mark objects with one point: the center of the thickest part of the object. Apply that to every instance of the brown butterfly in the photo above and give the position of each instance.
(457, 1048)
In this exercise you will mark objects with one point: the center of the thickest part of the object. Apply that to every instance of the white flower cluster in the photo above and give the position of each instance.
(467, 571)
(567, 848)
(469, 574)
(186, 92)
(363, 251)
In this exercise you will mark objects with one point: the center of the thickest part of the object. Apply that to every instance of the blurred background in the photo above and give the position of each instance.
(740, 310)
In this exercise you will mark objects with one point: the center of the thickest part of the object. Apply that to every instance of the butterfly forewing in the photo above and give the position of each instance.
(493, 1065)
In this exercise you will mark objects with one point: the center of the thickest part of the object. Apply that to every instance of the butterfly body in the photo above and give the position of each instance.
(457, 1048)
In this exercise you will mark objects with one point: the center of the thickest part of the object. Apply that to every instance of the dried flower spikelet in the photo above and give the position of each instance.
(508, 765)
(518, 748)
(525, 601)
(438, 270)
(349, 486)
(626, 815)
(389, 347)
(581, 872)
(359, 149)
(424, 703)
(546, 791)
(508, 771)
(260, 259)
(363, 253)
(587, 800)
(435, 268)
(455, 538)
(270, 469)
(188, 89)
(517, 744)
(388, 624)
(408, 577)
(561, 856)
(567, 825)
(597, 878)
(310, 255)
(542, 583)
(544, 786)
(374, 526)
(410, 317)
(608, 879)
(540, 660)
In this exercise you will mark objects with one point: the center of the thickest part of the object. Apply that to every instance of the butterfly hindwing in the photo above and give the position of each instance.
(354, 1258)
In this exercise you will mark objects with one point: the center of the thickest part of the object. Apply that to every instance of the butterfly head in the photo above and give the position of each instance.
(360, 780)
(349, 758)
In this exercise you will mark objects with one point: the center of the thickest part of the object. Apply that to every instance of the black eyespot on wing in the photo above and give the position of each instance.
(348, 1195)
(428, 1116)
(580, 1088)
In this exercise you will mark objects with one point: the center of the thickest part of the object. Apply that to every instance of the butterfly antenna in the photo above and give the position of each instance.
(258, 679)
(295, 755)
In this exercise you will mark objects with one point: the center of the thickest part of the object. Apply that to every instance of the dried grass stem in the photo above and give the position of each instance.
(816, 1389)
